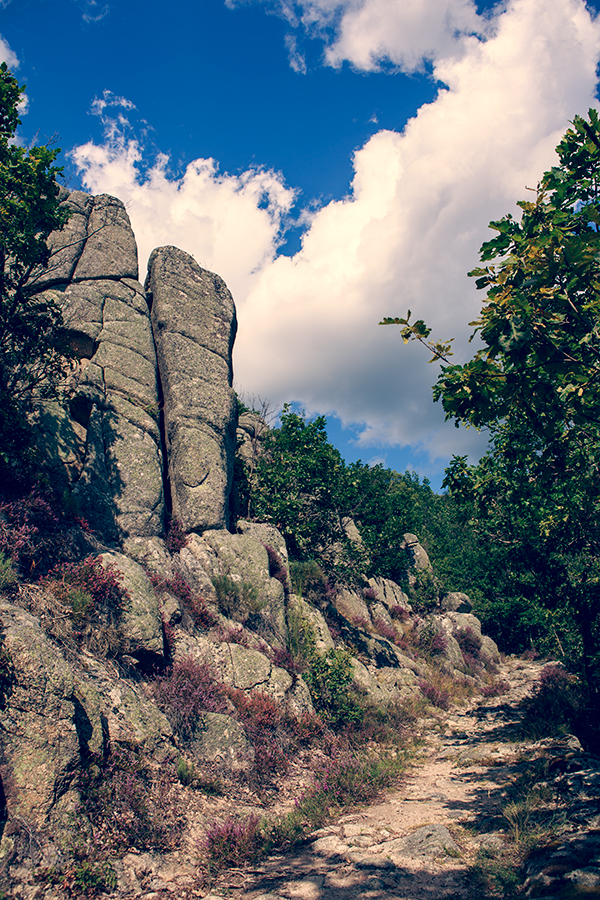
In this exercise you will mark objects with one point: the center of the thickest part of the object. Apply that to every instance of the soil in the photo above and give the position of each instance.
(420, 840)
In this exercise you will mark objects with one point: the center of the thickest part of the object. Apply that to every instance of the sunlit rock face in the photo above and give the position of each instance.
(194, 325)
(122, 455)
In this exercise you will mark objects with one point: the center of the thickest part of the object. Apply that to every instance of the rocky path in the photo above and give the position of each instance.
(420, 840)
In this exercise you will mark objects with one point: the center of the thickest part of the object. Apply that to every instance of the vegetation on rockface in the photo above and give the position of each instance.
(33, 350)
(301, 484)
(533, 500)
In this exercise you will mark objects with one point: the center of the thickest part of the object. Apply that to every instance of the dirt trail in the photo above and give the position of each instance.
(416, 843)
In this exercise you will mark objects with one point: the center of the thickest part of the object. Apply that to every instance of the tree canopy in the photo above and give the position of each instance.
(534, 498)
(32, 348)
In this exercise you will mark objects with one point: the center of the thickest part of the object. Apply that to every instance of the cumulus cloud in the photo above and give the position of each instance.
(231, 224)
(412, 225)
(92, 10)
(7, 55)
(368, 33)
(413, 220)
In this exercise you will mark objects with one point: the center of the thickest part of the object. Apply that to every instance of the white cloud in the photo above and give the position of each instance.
(93, 11)
(229, 223)
(7, 55)
(411, 225)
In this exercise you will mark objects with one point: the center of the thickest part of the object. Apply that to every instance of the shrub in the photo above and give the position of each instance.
(301, 638)
(307, 578)
(424, 593)
(7, 672)
(469, 642)
(436, 694)
(495, 688)
(30, 530)
(555, 703)
(431, 641)
(91, 596)
(386, 631)
(196, 606)
(285, 660)
(100, 582)
(234, 842)
(188, 775)
(201, 614)
(8, 576)
(328, 679)
(185, 692)
(176, 538)
(369, 593)
(177, 585)
(128, 805)
(236, 600)
(264, 723)
(400, 613)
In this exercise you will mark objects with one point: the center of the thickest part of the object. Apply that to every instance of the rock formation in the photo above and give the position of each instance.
(150, 435)
(194, 325)
(152, 404)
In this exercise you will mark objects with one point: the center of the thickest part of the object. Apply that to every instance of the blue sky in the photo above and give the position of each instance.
(334, 160)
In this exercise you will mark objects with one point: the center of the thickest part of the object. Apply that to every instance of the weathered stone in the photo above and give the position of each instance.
(416, 554)
(194, 324)
(489, 651)
(464, 620)
(140, 622)
(113, 710)
(353, 607)
(40, 747)
(110, 250)
(429, 840)
(112, 456)
(389, 593)
(444, 626)
(66, 245)
(323, 639)
(244, 559)
(455, 601)
(221, 739)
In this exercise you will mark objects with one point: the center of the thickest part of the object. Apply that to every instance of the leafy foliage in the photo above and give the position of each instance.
(301, 484)
(33, 349)
(534, 498)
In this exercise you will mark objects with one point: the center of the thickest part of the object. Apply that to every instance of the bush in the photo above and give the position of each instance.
(236, 600)
(435, 693)
(30, 531)
(8, 576)
(91, 597)
(308, 578)
(555, 703)
(128, 805)
(424, 592)
(469, 642)
(301, 638)
(234, 842)
(265, 725)
(328, 679)
(176, 538)
(185, 692)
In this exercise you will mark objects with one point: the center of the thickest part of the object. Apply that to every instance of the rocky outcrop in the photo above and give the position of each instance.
(126, 406)
(111, 432)
(194, 324)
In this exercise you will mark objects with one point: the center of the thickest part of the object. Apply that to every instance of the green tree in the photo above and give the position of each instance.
(33, 352)
(534, 498)
(296, 484)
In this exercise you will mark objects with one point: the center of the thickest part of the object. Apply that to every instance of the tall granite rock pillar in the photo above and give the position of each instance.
(194, 325)
(110, 443)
